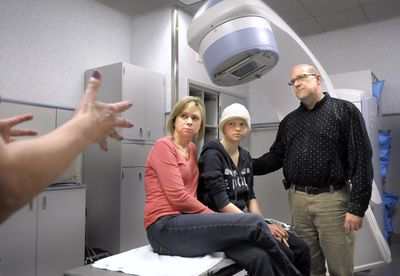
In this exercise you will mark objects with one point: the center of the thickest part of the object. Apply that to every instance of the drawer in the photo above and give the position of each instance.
(134, 155)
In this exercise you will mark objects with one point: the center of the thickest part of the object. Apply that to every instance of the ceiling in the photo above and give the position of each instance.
(306, 17)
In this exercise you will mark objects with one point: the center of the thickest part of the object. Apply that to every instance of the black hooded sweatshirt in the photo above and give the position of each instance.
(221, 182)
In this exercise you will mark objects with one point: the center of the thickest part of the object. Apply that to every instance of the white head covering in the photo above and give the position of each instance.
(235, 111)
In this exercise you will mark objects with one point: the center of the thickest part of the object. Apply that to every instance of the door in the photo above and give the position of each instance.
(134, 90)
(133, 197)
(155, 93)
(18, 242)
(60, 231)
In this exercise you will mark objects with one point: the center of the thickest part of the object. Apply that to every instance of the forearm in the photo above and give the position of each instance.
(254, 207)
(266, 163)
(230, 208)
(29, 166)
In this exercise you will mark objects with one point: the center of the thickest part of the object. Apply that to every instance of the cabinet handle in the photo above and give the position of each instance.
(140, 176)
(148, 133)
(30, 206)
(44, 202)
(140, 132)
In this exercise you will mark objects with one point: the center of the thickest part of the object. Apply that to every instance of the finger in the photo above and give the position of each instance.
(18, 119)
(120, 122)
(116, 135)
(92, 87)
(357, 226)
(23, 132)
(285, 242)
(103, 145)
(286, 235)
(281, 232)
(347, 227)
(121, 106)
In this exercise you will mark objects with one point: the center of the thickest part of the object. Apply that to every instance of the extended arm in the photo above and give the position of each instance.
(360, 170)
(272, 160)
(27, 167)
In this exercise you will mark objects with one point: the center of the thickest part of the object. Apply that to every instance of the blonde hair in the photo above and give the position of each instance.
(179, 107)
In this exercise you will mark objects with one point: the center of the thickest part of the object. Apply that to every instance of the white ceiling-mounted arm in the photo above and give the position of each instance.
(234, 39)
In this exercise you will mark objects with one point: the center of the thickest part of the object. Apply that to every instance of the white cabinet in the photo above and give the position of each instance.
(45, 237)
(144, 88)
(115, 195)
(132, 232)
(18, 242)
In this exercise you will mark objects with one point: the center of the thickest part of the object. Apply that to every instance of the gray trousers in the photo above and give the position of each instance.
(319, 221)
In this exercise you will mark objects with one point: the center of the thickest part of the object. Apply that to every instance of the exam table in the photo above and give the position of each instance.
(143, 261)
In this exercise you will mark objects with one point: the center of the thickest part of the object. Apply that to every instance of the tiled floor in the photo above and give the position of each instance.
(391, 269)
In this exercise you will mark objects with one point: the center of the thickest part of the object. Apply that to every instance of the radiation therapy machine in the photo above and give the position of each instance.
(240, 41)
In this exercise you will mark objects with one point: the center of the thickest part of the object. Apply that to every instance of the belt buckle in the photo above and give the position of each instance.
(310, 190)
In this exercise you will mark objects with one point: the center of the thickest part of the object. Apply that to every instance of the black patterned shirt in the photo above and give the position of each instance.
(327, 145)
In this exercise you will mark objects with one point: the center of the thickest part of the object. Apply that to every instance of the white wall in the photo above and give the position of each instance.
(373, 46)
(46, 45)
(151, 43)
(370, 47)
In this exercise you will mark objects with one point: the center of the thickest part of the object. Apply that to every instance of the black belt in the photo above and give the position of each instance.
(318, 190)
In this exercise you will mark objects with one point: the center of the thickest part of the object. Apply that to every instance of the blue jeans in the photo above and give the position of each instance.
(191, 235)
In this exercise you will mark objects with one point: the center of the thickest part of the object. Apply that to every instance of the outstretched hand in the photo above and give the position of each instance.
(7, 131)
(103, 117)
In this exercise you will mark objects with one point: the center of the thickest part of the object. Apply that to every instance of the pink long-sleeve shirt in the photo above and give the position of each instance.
(171, 182)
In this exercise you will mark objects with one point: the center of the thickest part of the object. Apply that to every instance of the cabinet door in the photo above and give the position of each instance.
(44, 119)
(134, 90)
(155, 93)
(18, 242)
(60, 231)
(133, 197)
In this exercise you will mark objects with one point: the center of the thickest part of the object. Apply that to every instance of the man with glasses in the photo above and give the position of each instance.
(324, 150)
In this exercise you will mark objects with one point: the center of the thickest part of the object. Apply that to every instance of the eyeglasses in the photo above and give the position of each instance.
(300, 78)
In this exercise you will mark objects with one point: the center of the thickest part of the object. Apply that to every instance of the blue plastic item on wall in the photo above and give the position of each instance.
(384, 151)
(377, 88)
(389, 201)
